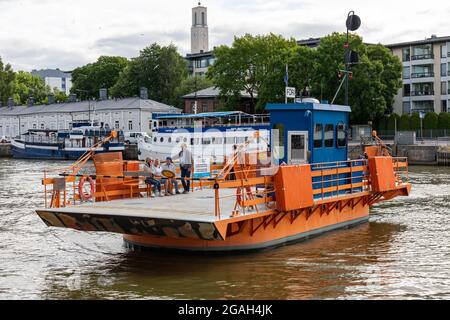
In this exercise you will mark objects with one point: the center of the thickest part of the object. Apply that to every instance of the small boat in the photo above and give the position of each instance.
(64, 144)
(208, 135)
(303, 186)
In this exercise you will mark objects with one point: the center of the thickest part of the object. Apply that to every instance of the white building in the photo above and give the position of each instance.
(199, 30)
(426, 75)
(55, 78)
(129, 115)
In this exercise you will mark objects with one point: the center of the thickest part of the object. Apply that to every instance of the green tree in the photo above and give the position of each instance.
(376, 79)
(191, 84)
(391, 74)
(102, 74)
(431, 121)
(393, 121)
(60, 96)
(7, 76)
(160, 69)
(302, 68)
(404, 123)
(26, 85)
(415, 121)
(254, 64)
(444, 120)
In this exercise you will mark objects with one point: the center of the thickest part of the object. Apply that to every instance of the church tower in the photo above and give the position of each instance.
(199, 30)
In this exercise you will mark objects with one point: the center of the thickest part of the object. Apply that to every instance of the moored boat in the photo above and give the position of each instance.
(64, 144)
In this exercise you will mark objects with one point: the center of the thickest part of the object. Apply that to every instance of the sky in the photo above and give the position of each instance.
(65, 34)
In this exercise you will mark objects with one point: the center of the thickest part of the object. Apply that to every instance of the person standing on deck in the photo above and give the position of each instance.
(186, 162)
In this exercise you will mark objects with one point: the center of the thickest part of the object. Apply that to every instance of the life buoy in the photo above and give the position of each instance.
(86, 195)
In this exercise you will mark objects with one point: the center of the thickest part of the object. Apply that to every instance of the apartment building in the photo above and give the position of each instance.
(426, 75)
(55, 78)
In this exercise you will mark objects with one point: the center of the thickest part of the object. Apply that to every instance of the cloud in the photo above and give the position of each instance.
(67, 34)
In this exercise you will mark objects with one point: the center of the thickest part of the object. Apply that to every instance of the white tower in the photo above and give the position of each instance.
(199, 30)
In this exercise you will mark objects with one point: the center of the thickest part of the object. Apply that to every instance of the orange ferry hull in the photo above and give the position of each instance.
(282, 230)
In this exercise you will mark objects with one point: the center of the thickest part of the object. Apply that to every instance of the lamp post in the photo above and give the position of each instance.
(353, 23)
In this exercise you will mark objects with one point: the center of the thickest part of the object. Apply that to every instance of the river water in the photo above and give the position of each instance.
(403, 253)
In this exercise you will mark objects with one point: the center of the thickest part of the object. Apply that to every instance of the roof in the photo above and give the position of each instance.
(311, 42)
(84, 106)
(307, 106)
(193, 56)
(51, 73)
(431, 40)
(206, 115)
(211, 92)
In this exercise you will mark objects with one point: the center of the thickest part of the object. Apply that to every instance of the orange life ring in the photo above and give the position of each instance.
(86, 196)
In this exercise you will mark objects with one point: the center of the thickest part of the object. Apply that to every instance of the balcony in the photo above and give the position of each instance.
(422, 75)
(422, 56)
(422, 93)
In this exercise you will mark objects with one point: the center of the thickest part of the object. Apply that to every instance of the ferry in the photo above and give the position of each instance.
(64, 144)
(304, 185)
(208, 135)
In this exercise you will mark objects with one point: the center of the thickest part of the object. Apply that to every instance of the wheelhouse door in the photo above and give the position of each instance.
(297, 147)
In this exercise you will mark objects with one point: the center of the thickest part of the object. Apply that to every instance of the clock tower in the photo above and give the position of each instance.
(199, 30)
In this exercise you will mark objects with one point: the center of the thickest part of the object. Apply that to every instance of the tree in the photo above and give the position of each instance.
(404, 123)
(431, 120)
(60, 96)
(159, 69)
(102, 74)
(444, 120)
(254, 64)
(415, 121)
(393, 121)
(302, 68)
(26, 85)
(6, 82)
(191, 84)
(376, 79)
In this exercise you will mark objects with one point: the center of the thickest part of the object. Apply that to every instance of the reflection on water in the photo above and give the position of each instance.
(402, 253)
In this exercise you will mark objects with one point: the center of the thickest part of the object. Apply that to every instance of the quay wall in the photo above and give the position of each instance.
(5, 150)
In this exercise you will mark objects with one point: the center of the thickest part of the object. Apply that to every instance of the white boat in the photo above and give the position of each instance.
(208, 135)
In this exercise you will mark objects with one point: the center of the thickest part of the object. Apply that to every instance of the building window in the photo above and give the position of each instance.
(130, 125)
(341, 134)
(329, 136)
(443, 69)
(443, 51)
(318, 136)
(203, 19)
(406, 107)
(42, 126)
(34, 126)
(423, 89)
(204, 106)
(406, 53)
(443, 88)
(406, 72)
(116, 125)
(150, 125)
(444, 106)
(195, 18)
(406, 90)
(424, 106)
(423, 71)
(423, 52)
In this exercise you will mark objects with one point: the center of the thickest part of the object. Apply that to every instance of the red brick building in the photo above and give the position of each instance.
(208, 100)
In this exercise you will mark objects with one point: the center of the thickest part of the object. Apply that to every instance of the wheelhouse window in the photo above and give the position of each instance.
(341, 134)
(318, 136)
(329, 136)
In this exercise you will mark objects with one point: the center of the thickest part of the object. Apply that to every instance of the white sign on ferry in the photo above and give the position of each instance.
(202, 168)
(290, 92)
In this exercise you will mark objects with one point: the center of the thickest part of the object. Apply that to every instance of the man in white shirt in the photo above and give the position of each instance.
(186, 162)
